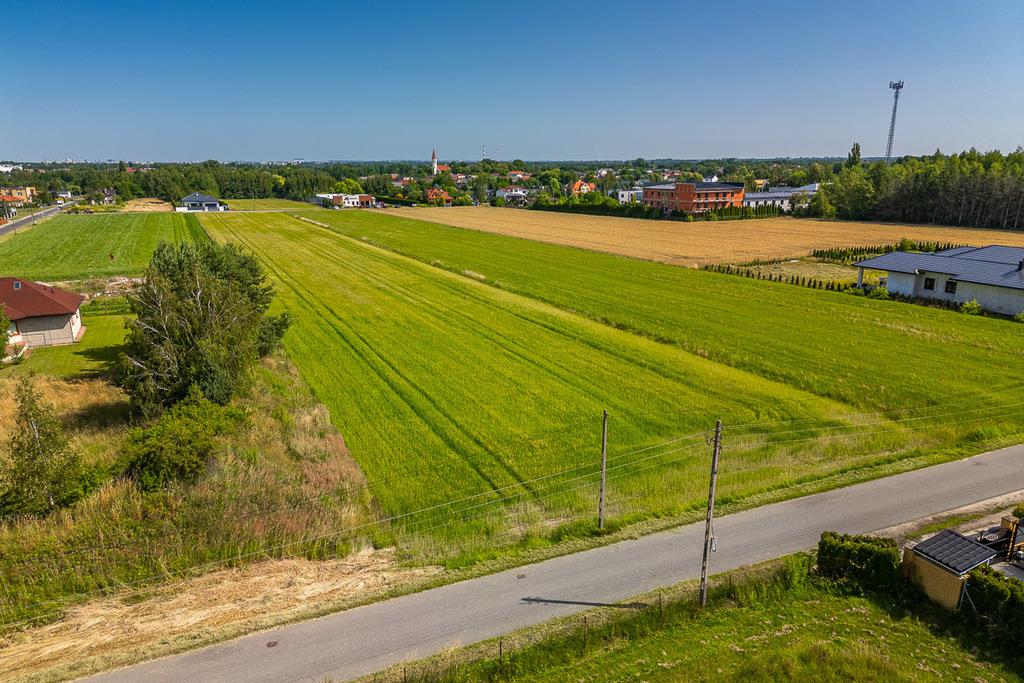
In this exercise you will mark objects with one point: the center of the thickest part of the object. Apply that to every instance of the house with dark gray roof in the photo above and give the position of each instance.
(993, 276)
(198, 201)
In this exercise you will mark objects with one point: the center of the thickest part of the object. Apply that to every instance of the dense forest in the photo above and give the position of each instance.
(971, 188)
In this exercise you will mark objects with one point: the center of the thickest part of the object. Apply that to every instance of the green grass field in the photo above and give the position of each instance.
(809, 634)
(267, 205)
(872, 355)
(468, 400)
(90, 357)
(81, 246)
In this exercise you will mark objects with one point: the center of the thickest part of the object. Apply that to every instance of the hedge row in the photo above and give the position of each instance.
(800, 280)
(866, 561)
(860, 253)
(396, 201)
(998, 602)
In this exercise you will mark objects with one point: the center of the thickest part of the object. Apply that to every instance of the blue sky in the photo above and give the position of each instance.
(164, 80)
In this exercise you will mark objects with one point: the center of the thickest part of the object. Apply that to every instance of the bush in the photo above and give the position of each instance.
(1018, 511)
(879, 293)
(177, 446)
(1019, 317)
(971, 307)
(45, 472)
(868, 562)
(998, 603)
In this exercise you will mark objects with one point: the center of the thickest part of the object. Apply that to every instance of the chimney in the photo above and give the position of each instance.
(1020, 266)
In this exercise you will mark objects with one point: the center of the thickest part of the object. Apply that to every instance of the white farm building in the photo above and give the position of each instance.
(993, 276)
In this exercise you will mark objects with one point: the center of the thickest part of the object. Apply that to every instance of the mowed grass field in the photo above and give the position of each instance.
(870, 355)
(267, 205)
(699, 242)
(93, 356)
(483, 406)
(71, 247)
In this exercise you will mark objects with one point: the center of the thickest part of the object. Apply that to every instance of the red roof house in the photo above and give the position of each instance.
(40, 315)
(583, 187)
(436, 196)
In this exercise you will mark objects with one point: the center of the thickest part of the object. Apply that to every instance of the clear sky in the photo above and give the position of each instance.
(185, 80)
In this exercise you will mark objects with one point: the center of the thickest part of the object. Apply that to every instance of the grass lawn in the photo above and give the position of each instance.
(91, 356)
(484, 405)
(71, 247)
(810, 634)
(267, 205)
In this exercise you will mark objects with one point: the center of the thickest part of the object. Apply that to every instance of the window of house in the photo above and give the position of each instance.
(17, 285)
(929, 283)
(950, 286)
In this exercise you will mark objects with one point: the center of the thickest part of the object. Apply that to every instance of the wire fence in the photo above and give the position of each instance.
(638, 481)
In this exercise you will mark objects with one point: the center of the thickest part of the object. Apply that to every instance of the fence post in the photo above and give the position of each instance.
(604, 468)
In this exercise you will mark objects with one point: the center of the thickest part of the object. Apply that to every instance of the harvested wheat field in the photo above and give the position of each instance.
(693, 244)
(124, 628)
(147, 204)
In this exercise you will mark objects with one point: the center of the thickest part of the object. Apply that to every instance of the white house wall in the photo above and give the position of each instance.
(995, 299)
(901, 283)
(50, 330)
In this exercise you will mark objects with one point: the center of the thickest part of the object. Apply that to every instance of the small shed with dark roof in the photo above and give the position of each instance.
(939, 565)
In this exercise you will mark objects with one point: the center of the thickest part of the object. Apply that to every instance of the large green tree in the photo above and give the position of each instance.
(44, 472)
(200, 321)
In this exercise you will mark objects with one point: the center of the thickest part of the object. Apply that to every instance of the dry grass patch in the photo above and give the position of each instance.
(697, 243)
(147, 204)
(121, 629)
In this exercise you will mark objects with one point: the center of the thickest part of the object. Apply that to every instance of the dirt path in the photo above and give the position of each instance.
(699, 242)
(115, 631)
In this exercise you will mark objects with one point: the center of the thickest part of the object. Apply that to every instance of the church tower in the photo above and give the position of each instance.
(433, 162)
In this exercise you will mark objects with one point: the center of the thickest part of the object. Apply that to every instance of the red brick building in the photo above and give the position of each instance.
(693, 197)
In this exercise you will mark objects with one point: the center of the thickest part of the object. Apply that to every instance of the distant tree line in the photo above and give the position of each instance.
(970, 189)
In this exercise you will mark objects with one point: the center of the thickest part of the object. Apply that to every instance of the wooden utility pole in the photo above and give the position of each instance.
(711, 514)
(604, 468)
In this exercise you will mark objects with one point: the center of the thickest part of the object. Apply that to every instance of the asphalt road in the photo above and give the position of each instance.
(26, 220)
(366, 639)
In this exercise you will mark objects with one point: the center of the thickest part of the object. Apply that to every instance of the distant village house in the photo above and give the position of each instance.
(780, 196)
(582, 187)
(353, 201)
(201, 202)
(25, 195)
(439, 196)
(693, 197)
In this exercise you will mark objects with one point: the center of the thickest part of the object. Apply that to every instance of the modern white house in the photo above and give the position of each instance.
(339, 200)
(40, 315)
(634, 194)
(198, 201)
(993, 276)
(512, 195)
(779, 196)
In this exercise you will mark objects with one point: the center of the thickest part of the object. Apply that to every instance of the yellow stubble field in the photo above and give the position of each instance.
(700, 242)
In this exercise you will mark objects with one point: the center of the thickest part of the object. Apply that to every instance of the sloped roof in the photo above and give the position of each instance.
(33, 300)
(199, 197)
(994, 265)
(954, 551)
